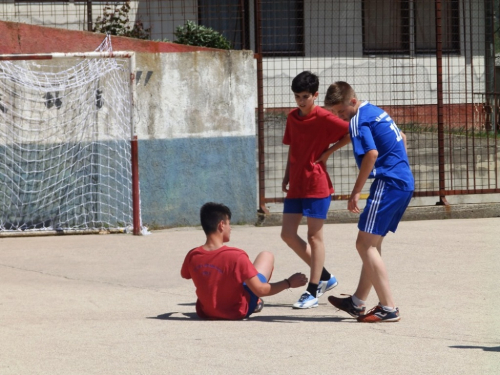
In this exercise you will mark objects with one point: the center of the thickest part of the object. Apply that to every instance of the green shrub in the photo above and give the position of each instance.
(192, 34)
(116, 22)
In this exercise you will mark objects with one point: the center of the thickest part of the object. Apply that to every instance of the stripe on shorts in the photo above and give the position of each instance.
(372, 214)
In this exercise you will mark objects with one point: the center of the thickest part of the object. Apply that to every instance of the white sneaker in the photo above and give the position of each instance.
(306, 301)
(325, 286)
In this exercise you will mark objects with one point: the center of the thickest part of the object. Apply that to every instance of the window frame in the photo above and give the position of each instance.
(245, 30)
(293, 52)
(409, 32)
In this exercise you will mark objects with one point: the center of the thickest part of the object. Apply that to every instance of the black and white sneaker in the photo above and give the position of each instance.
(346, 304)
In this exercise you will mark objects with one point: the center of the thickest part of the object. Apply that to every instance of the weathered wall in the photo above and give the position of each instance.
(194, 116)
(24, 38)
(196, 125)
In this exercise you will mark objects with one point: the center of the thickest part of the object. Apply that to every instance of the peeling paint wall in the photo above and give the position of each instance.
(195, 120)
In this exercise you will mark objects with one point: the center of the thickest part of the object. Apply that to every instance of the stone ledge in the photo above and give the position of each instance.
(454, 211)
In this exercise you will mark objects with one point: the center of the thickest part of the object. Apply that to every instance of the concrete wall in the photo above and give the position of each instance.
(196, 126)
(194, 117)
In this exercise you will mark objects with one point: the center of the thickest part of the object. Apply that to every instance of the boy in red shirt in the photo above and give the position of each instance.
(227, 284)
(309, 132)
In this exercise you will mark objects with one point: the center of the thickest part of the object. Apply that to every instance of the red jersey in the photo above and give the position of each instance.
(218, 276)
(308, 137)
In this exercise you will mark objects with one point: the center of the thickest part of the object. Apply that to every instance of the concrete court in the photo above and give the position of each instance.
(116, 304)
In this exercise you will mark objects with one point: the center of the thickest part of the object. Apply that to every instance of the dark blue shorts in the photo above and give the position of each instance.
(384, 208)
(253, 298)
(310, 207)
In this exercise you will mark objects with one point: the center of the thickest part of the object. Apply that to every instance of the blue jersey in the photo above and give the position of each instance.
(373, 129)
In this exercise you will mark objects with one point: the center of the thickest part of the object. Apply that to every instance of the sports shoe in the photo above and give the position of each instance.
(379, 315)
(346, 304)
(259, 307)
(325, 286)
(306, 301)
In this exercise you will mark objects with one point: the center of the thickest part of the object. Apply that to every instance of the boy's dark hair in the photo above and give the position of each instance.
(305, 81)
(211, 214)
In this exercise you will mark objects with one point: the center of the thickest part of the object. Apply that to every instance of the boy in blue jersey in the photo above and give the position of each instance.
(380, 152)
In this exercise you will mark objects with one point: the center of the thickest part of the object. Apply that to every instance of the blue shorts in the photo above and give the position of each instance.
(311, 207)
(384, 208)
(252, 304)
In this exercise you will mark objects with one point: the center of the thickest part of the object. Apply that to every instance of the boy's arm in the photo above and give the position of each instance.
(261, 289)
(185, 267)
(286, 177)
(185, 272)
(404, 140)
(341, 143)
(365, 169)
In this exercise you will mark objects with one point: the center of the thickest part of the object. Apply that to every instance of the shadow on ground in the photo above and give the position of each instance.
(256, 317)
(485, 348)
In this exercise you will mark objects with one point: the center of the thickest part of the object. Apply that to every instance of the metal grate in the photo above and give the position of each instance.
(429, 63)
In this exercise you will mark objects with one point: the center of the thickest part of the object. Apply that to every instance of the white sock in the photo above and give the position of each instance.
(387, 308)
(358, 302)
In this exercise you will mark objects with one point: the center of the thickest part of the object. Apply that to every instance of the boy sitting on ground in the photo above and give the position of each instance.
(228, 285)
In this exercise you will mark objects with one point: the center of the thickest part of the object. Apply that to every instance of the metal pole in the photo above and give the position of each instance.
(89, 15)
(439, 77)
(260, 107)
(489, 62)
(134, 151)
(136, 202)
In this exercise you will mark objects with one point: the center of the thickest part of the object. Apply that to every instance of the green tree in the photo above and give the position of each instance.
(115, 21)
(192, 34)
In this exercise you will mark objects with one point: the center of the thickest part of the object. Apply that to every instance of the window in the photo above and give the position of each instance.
(425, 30)
(228, 18)
(282, 28)
(282, 24)
(408, 26)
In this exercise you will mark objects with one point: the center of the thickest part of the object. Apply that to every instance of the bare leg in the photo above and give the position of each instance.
(374, 267)
(289, 234)
(264, 263)
(315, 239)
(365, 285)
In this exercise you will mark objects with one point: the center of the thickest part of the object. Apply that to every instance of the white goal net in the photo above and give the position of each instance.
(65, 150)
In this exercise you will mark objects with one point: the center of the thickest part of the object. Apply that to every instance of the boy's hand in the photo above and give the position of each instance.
(352, 203)
(297, 280)
(323, 158)
(284, 185)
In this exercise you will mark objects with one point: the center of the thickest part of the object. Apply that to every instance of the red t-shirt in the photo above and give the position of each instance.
(218, 276)
(308, 137)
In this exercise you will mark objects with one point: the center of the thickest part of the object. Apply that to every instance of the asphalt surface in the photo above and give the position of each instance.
(116, 304)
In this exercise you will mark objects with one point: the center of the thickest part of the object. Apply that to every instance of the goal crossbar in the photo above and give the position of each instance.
(65, 55)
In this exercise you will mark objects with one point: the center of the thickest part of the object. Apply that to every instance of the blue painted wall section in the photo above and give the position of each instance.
(177, 176)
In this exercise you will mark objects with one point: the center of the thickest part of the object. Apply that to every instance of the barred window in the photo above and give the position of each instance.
(283, 28)
(408, 26)
(282, 24)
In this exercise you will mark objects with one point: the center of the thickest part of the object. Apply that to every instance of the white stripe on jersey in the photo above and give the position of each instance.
(381, 117)
(372, 214)
(354, 125)
(354, 121)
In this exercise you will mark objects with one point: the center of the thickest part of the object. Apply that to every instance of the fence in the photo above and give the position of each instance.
(429, 63)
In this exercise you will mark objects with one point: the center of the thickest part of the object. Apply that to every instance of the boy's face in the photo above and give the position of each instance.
(305, 101)
(346, 111)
